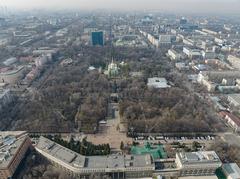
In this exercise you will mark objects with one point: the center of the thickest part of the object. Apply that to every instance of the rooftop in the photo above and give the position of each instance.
(231, 116)
(157, 82)
(199, 157)
(231, 169)
(10, 142)
(57, 151)
(78, 161)
(235, 97)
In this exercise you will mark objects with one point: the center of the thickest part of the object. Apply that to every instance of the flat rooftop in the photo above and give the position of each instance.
(235, 97)
(232, 169)
(158, 82)
(10, 142)
(61, 153)
(76, 160)
(199, 157)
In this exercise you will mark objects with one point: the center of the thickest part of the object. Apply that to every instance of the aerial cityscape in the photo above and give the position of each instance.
(138, 89)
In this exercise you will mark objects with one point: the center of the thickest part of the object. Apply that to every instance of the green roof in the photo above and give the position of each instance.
(157, 152)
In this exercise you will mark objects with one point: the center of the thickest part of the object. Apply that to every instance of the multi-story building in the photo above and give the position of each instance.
(174, 55)
(235, 61)
(210, 31)
(223, 80)
(183, 21)
(98, 38)
(13, 148)
(12, 76)
(188, 42)
(153, 40)
(202, 163)
(45, 51)
(10, 61)
(192, 53)
(208, 54)
(40, 61)
(165, 40)
(234, 100)
(117, 166)
(232, 120)
(231, 171)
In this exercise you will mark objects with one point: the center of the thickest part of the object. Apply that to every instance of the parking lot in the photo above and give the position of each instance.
(168, 140)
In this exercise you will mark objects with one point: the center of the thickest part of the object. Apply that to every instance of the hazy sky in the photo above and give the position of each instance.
(220, 6)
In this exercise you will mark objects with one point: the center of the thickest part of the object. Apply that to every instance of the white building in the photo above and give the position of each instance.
(188, 42)
(235, 61)
(231, 170)
(212, 79)
(44, 51)
(234, 99)
(10, 61)
(153, 40)
(208, 55)
(157, 83)
(165, 40)
(219, 41)
(174, 55)
(209, 31)
(181, 66)
(200, 163)
(232, 120)
(203, 79)
(192, 53)
(4, 41)
(42, 60)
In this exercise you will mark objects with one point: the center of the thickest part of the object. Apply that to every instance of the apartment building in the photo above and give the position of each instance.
(13, 147)
(202, 163)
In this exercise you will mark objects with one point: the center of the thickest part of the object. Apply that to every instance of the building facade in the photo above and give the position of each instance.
(174, 55)
(13, 148)
(76, 165)
(198, 163)
(231, 170)
(97, 38)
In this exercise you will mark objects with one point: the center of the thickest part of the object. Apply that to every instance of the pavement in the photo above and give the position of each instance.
(109, 133)
(231, 139)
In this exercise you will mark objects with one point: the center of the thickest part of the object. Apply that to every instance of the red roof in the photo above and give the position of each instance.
(234, 118)
(223, 113)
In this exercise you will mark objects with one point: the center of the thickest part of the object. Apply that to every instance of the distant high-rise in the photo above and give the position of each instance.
(183, 21)
(97, 38)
